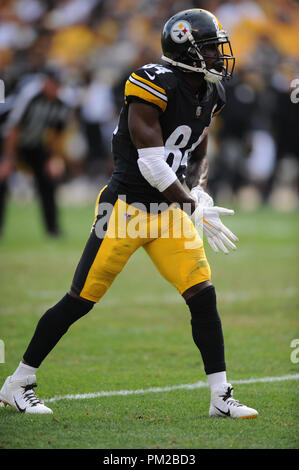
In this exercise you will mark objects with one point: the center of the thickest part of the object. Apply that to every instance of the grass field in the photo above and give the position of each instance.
(139, 337)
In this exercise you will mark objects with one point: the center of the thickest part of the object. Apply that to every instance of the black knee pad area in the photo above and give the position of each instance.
(203, 306)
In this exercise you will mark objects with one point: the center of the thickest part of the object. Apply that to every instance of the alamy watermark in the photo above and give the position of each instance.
(2, 351)
(295, 353)
(294, 90)
(135, 221)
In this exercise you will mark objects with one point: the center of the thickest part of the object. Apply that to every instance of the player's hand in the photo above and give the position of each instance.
(55, 167)
(201, 197)
(218, 235)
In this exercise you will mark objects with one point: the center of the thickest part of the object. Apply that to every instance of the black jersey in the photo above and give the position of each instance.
(184, 120)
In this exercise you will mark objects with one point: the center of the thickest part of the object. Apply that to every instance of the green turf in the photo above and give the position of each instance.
(139, 337)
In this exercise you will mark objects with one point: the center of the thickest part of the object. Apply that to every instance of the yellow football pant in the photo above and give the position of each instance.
(169, 238)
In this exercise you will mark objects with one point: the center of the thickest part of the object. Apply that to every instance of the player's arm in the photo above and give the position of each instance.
(197, 174)
(218, 235)
(146, 135)
(198, 166)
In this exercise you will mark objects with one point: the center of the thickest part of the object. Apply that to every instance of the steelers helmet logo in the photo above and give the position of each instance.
(179, 31)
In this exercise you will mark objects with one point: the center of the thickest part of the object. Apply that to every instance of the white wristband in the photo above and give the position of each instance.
(154, 168)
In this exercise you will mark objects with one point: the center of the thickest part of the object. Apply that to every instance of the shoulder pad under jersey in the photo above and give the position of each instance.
(151, 83)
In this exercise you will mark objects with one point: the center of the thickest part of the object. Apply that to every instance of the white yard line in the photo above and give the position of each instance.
(112, 393)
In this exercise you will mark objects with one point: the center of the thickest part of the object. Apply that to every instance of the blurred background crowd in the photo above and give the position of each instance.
(88, 48)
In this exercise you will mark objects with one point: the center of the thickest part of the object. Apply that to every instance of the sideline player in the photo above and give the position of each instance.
(159, 144)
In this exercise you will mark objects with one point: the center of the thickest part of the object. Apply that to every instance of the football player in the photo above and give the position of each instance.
(159, 150)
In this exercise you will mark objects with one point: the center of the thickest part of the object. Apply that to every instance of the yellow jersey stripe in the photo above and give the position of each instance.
(148, 88)
(136, 90)
(153, 85)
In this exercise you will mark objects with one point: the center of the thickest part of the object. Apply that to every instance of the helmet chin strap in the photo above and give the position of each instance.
(210, 76)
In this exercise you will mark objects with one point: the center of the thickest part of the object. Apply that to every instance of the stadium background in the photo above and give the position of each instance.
(253, 146)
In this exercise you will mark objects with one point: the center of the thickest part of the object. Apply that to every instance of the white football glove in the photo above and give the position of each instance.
(218, 235)
(201, 197)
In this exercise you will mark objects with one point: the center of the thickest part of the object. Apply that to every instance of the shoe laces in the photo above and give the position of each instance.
(228, 397)
(30, 395)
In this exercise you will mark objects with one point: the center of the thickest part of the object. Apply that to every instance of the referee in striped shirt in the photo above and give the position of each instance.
(36, 113)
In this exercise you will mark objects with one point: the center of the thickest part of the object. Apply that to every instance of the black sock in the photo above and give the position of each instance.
(53, 325)
(207, 330)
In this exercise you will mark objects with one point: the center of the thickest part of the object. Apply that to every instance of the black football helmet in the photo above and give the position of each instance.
(187, 39)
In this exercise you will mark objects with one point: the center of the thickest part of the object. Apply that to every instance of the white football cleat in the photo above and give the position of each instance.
(20, 395)
(223, 404)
